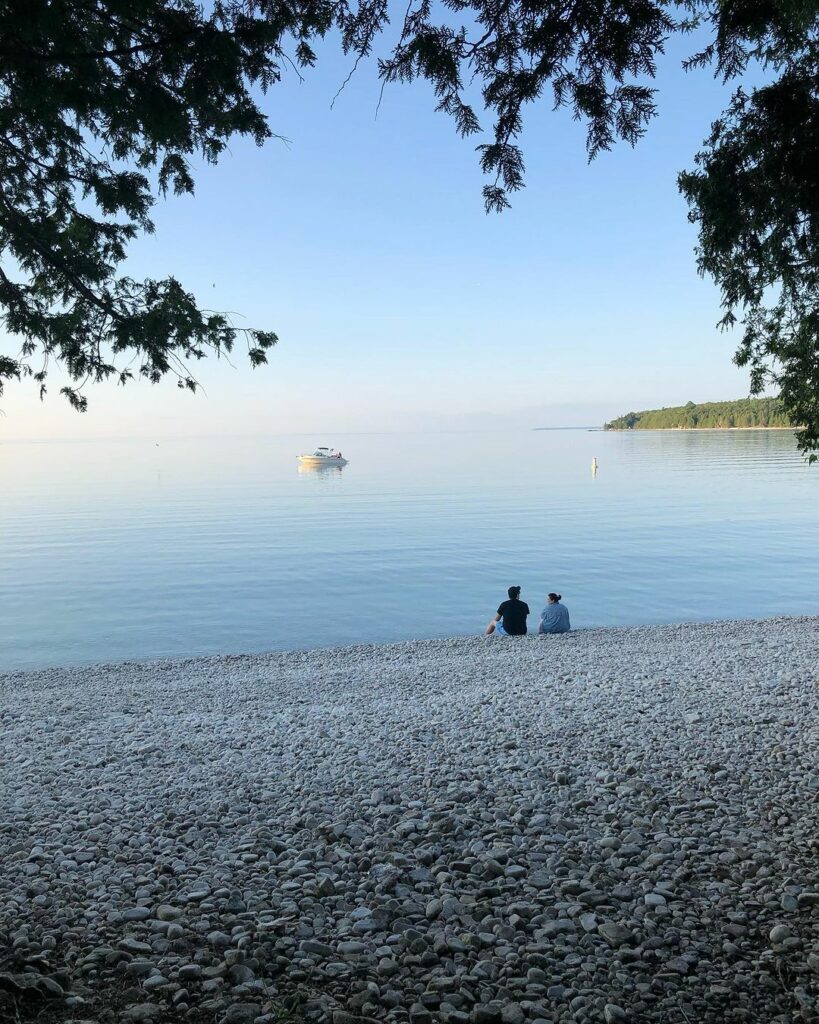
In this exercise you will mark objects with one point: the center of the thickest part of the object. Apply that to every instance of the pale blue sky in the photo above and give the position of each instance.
(400, 303)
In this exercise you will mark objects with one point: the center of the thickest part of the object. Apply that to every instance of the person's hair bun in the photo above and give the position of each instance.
(560, 597)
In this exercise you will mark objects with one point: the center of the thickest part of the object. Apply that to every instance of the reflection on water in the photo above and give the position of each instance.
(129, 550)
(321, 467)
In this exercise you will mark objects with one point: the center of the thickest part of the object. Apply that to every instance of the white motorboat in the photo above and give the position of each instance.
(323, 457)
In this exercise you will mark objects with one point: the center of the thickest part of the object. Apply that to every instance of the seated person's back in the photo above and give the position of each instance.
(555, 616)
(513, 613)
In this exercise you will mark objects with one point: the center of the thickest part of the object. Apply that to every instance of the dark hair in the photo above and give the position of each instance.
(555, 597)
(513, 592)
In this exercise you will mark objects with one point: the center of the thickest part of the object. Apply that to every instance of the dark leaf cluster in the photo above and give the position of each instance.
(592, 56)
(754, 195)
(103, 103)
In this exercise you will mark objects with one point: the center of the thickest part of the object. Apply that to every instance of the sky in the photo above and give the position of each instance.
(399, 303)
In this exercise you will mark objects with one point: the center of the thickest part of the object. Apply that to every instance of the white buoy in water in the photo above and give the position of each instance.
(594, 465)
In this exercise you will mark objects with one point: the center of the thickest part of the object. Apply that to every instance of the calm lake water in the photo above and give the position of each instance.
(118, 550)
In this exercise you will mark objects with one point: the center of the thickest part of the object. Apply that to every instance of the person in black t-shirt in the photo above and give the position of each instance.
(511, 616)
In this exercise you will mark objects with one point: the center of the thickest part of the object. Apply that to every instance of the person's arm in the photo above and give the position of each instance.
(491, 627)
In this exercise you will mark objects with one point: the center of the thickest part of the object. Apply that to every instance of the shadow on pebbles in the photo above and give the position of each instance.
(609, 826)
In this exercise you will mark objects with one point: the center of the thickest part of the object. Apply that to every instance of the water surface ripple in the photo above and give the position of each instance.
(119, 550)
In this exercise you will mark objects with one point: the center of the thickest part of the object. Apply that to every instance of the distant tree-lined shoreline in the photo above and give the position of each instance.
(746, 412)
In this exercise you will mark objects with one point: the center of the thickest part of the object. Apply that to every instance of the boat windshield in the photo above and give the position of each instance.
(325, 453)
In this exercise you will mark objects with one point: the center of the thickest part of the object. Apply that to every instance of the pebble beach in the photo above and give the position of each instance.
(614, 825)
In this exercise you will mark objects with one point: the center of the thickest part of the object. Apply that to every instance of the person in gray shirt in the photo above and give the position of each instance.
(555, 617)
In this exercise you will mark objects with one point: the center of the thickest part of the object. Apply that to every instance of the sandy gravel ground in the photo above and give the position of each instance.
(612, 825)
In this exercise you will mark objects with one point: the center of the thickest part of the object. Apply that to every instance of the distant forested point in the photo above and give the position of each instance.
(747, 412)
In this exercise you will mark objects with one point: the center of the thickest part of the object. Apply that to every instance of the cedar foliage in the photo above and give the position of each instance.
(104, 104)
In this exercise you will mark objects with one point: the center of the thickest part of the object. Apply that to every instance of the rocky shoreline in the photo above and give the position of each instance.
(615, 825)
